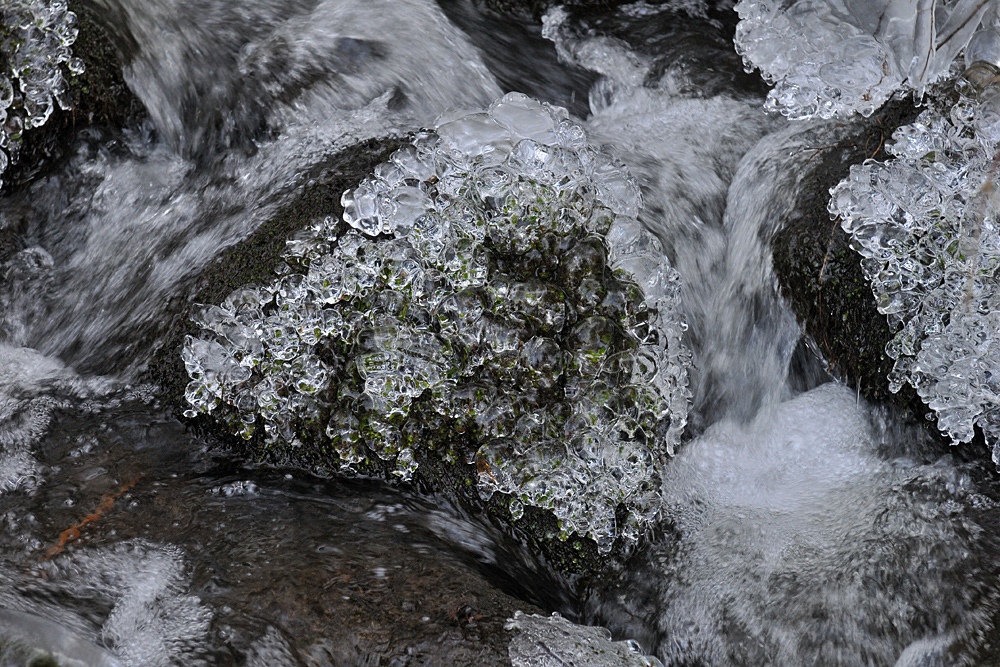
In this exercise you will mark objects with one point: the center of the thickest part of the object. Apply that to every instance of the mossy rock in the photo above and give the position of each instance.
(820, 275)
(98, 97)
(253, 261)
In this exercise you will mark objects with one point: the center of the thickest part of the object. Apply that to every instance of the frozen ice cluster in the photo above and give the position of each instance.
(492, 296)
(926, 223)
(553, 641)
(35, 40)
(831, 58)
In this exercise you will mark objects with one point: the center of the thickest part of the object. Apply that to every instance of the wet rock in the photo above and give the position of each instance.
(219, 77)
(97, 97)
(820, 275)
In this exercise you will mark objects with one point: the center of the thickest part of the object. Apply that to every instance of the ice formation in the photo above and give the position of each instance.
(552, 641)
(494, 297)
(926, 224)
(831, 58)
(35, 40)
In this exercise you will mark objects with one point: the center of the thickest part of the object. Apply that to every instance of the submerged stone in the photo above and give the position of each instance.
(492, 299)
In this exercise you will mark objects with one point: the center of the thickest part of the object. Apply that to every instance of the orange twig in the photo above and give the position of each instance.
(73, 532)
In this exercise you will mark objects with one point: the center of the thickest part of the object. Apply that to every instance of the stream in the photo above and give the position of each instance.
(800, 525)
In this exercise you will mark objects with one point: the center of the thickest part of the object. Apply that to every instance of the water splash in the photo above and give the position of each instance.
(797, 542)
(129, 222)
(517, 299)
(216, 75)
(683, 146)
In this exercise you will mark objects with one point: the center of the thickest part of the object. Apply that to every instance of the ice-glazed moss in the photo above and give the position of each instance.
(926, 224)
(35, 40)
(493, 291)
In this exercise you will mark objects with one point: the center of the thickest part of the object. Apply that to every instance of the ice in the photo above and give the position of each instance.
(926, 224)
(831, 58)
(513, 302)
(553, 641)
(35, 41)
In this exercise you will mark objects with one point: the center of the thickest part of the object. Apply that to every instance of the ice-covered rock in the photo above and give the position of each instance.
(831, 58)
(928, 228)
(35, 40)
(493, 296)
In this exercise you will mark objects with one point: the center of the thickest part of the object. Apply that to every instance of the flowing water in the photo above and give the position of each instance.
(800, 525)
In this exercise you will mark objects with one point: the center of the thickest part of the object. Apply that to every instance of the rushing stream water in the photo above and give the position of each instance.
(801, 526)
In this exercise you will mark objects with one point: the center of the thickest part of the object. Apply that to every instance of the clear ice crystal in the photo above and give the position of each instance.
(35, 41)
(550, 641)
(492, 295)
(830, 58)
(927, 226)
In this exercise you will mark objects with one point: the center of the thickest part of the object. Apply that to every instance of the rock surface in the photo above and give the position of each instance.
(820, 275)
(98, 96)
